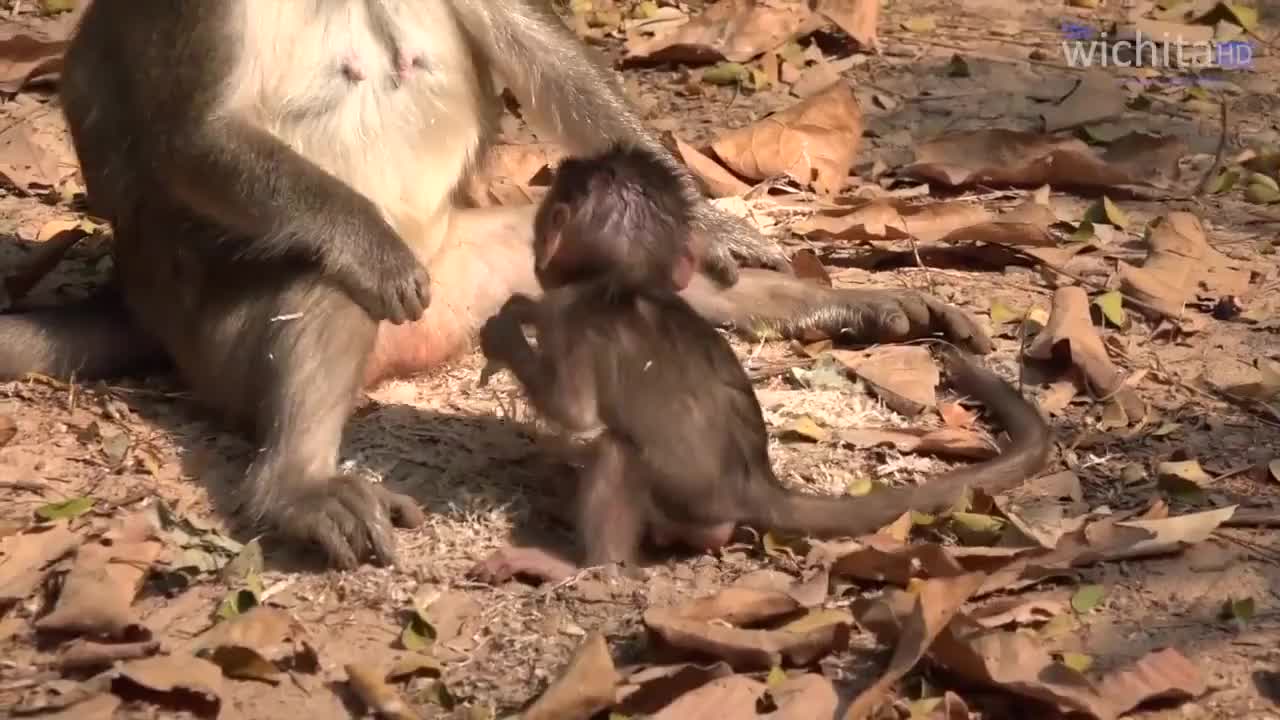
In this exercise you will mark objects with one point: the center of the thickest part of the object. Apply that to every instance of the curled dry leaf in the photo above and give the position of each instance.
(1180, 263)
(708, 626)
(858, 18)
(507, 172)
(31, 159)
(905, 377)
(179, 682)
(377, 695)
(648, 690)
(1098, 96)
(41, 263)
(931, 607)
(587, 686)
(259, 645)
(899, 564)
(1015, 611)
(882, 220)
(1010, 157)
(729, 698)
(25, 555)
(102, 706)
(737, 30)
(944, 442)
(1165, 675)
(84, 654)
(718, 181)
(1070, 335)
(803, 697)
(107, 574)
(813, 142)
(1125, 540)
(24, 58)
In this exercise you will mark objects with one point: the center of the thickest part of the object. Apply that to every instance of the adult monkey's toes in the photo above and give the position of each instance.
(351, 519)
(727, 239)
(885, 316)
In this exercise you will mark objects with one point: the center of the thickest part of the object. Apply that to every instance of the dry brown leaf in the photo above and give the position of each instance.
(1163, 536)
(26, 159)
(1055, 399)
(180, 682)
(707, 627)
(587, 686)
(1017, 663)
(1009, 157)
(259, 644)
(1165, 675)
(41, 263)
(905, 377)
(815, 78)
(877, 220)
(956, 415)
(718, 181)
(805, 264)
(730, 698)
(944, 442)
(813, 142)
(102, 706)
(1099, 96)
(377, 695)
(858, 18)
(898, 565)
(25, 555)
(85, 654)
(1015, 611)
(24, 58)
(1070, 335)
(107, 574)
(803, 697)
(648, 690)
(1180, 262)
(734, 30)
(1025, 226)
(507, 171)
(931, 607)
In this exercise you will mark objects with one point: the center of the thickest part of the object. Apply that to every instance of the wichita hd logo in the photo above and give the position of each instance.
(1083, 46)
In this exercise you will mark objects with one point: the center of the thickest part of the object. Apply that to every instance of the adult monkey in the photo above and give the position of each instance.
(280, 176)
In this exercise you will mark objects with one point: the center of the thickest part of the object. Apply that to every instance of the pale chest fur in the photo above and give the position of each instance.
(395, 107)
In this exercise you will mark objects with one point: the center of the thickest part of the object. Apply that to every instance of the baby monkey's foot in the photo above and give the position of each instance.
(532, 563)
(352, 68)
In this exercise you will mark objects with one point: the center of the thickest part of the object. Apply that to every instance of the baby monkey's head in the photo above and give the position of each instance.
(621, 214)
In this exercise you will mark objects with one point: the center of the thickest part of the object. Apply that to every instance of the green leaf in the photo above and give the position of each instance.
(958, 67)
(1087, 598)
(418, 634)
(726, 73)
(238, 602)
(1001, 313)
(75, 507)
(1245, 16)
(1223, 181)
(246, 565)
(859, 486)
(920, 24)
(976, 528)
(1083, 233)
(1260, 193)
(1112, 306)
(805, 428)
(777, 676)
(1240, 610)
(1106, 212)
(924, 707)
(1077, 661)
(922, 518)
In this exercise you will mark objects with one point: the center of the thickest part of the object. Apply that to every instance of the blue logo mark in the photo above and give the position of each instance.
(1077, 31)
(1235, 54)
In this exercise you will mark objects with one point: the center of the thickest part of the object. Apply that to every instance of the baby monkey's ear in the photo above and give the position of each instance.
(548, 244)
(682, 269)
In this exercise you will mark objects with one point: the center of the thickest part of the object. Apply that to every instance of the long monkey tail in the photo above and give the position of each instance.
(1026, 455)
(90, 338)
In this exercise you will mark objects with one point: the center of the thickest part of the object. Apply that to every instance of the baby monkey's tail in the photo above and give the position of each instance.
(1027, 454)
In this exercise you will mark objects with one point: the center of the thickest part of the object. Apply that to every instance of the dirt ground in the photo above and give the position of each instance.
(466, 453)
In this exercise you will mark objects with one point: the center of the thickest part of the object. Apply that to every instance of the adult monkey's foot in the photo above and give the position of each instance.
(727, 240)
(764, 301)
(349, 517)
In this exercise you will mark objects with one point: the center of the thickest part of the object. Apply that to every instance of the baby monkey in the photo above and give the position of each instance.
(680, 453)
